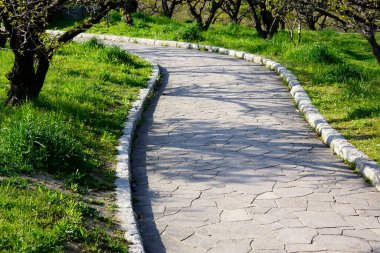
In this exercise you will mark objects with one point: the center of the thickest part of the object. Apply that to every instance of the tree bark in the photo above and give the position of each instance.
(371, 38)
(266, 24)
(3, 39)
(214, 8)
(127, 8)
(25, 81)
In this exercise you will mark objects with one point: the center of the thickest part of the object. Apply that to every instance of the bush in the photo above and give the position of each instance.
(31, 140)
(114, 55)
(364, 112)
(191, 33)
(114, 17)
(315, 53)
(94, 43)
(341, 73)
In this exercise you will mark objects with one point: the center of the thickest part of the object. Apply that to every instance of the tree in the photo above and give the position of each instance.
(267, 15)
(199, 8)
(308, 13)
(362, 16)
(3, 38)
(128, 7)
(25, 23)
(169, 6)
(232, 9)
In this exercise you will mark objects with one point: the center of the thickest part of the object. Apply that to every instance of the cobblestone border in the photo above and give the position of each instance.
(368, 168)
(123, 190)
(124, 199)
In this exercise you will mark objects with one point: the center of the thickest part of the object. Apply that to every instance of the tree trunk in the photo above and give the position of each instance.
(196, 15)
(128, 7)
(214, 8)
(257, 20)
(26, 82)
(168, 10)
(371, 38)
(165, 8)
(266, 24)
(311, 23)
(3, 39)
(128, 19)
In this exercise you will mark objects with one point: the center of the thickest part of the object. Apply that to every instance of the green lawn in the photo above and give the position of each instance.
(337, 70)
(58, 153)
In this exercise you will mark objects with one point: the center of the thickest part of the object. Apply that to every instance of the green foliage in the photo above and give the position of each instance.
(31, 140)
(113, 17)
(37, 219)
(69, 133)
(318, 52)
(191, 33)
(347, 73)
(94, 43)
(114, 55)
(365, 112)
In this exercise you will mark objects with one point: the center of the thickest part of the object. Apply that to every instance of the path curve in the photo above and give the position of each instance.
(224, 163)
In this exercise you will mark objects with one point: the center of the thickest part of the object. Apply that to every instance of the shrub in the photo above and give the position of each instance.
(114, 55)
(315, 53)
(364, 112)
(340, 73)
(113, 17)
(191, 33)
(94, 43)
(31, 140)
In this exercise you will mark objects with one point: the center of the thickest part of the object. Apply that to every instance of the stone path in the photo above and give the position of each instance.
(223, 162)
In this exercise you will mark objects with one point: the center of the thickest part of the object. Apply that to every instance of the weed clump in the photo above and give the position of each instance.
(364, 112)
(341, 73)
(32, 140)
(114, 55)
(94, 43)
(318, 52)
(191, 33)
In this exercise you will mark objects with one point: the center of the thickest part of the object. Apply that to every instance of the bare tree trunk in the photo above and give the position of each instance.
(371, 38)
(168, 9)
(25, 81)
(127, 8)
(256, 18)
(194, 12)
(266, 24)
(214, 8)
(3, 39)
(232, 9)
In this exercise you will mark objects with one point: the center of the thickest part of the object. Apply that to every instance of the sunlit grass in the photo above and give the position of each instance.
(69, 134)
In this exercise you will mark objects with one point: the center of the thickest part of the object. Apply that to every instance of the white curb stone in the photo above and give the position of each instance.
(123, 172)
(124, 203)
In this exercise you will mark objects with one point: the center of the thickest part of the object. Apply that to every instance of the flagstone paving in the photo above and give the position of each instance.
(223, 162)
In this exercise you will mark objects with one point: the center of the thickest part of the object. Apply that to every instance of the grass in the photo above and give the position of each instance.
(58, 152)
(337, 70)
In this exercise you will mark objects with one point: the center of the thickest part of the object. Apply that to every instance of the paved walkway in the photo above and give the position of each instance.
(223, 162)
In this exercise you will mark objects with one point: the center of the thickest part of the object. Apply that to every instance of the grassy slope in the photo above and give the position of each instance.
(337, 70)
(58, 153)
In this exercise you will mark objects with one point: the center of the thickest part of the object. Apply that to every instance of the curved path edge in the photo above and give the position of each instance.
(367, 167)
(123, 170)
(124, 200)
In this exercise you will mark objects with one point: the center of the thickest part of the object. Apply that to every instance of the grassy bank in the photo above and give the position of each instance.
(58, 153)
(337, 70)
